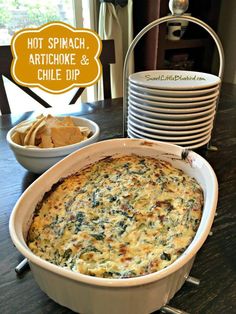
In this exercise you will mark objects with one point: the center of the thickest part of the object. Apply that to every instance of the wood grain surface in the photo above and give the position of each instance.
(215, 264)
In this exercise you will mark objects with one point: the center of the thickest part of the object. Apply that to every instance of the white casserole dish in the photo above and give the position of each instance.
(86, 294)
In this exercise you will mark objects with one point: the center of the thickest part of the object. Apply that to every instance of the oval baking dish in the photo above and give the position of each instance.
(87, 294)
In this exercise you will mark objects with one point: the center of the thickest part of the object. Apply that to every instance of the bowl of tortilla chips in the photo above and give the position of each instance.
(40, 143)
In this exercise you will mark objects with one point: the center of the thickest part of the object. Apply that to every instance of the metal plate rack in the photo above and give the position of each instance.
(177, 8)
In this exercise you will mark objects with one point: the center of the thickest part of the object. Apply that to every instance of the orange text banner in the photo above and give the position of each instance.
(56, 57)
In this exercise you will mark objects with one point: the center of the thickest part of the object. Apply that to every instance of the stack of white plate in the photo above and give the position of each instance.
(172, 106)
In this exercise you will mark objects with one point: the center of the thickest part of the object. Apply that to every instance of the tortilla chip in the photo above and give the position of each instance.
(48, 132)
(66, 136)
(22, 136)
(85, 131)
(68, 121)
(29, 133)
(24, 126)
(16, 138)
(32, 139)
(53, 122)
(46, 141)
(43, 137)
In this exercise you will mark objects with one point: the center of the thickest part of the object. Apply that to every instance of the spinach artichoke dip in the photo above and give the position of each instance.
(118, 218)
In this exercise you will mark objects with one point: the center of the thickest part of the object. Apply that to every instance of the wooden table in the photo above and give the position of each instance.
(215, 264)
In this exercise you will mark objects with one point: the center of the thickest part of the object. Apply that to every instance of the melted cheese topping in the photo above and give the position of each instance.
(118, 218)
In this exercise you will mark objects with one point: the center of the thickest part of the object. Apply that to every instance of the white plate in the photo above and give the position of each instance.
(133, 122)
(189, 146)
(177, 104)
(191, 142)
(199, 144)
(179, 117)
(144, 97)
(171, 110)
(177, 142)
(168, 138)
(174, 79)
(170, 122)
(170, 135)
(171, 93)
(156, 125)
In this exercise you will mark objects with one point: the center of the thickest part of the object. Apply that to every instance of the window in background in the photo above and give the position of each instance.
(19, 14)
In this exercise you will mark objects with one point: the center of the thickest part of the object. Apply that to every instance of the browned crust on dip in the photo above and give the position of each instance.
(118, 218)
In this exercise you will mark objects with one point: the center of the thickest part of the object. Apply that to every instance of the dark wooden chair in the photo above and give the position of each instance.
(107, 57)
